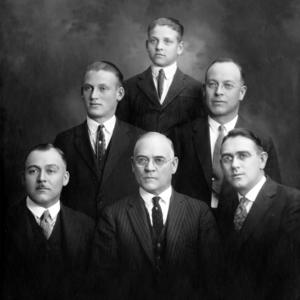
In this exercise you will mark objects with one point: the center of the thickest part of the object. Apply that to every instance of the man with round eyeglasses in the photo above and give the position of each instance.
(157, 243)
(197, 144)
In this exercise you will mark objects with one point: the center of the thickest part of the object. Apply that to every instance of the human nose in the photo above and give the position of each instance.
(219, 89)
(41, 176)
(95, 93)
(150, 165)
(235, 162)
(159, 45)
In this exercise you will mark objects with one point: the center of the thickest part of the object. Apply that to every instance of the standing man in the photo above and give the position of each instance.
(98, 150)
(157, 243)
(197, 144)
(162, 96)
(47, 245)
(260, 224)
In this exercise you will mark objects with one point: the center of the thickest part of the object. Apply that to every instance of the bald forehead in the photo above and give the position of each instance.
(50, 156)
(154, 142)
(224, 68)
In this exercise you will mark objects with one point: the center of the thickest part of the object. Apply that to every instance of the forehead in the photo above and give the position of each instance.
(238, 144)
(164, 31)
(43, 158)
(224, 71)
(100, 77)
(153, 146)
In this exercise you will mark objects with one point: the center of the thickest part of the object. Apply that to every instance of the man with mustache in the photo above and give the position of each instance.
(162, 96)
(47, 245)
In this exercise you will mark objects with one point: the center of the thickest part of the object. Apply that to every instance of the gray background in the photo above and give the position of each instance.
(46, 44)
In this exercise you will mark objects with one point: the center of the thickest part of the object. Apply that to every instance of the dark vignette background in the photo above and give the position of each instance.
(46, 45)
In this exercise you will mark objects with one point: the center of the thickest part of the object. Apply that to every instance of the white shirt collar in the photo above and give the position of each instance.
(109, 125)
(169, 70)
(38, 210)
(252, 194)
(214, 125)
(147, 197)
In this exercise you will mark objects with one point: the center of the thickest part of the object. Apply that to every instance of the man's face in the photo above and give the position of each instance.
(101, 93)
(223, 91)
(154, 163)
(163, 46)
(243, 163)
(45, 175)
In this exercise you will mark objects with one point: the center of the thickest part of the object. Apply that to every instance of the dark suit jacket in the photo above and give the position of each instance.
(24, 262)
(141, 106)
(87, 191)
(192, 146)
(263, 258)
(123, 257)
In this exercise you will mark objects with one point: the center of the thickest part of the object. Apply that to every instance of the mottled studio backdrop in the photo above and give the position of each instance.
(46, 44)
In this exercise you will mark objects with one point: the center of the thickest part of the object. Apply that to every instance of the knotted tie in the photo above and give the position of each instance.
(46, 224)
(160, 83)
(240, 214)
(157, 216)
(100, 145)
(216, 165)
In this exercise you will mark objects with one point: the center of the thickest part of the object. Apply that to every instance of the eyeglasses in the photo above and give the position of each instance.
(157, 161)
(215, 85)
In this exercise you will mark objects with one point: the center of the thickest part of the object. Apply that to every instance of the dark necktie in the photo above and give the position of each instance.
(160, 83)
(46, 224)
(216, 165)
(100, 145)
(157, 216)
(240, 214)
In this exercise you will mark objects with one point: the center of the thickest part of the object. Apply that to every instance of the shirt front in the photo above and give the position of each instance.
(252, 194)
(213, 136)
(169, 75)
(164, 202)
(38, 210)
(109, 126)
(214, 131)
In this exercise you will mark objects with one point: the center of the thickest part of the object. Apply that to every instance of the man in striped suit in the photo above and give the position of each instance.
(157, 243)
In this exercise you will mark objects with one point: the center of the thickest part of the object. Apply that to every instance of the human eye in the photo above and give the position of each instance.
(168, 41)
(228, 86)
(103, 88)
(32, 171)
(226, 158)
(244, 155)
(87, 88)
(52, 170)
(159, 161)
(152, 41)
(212, 84)
(141, 160)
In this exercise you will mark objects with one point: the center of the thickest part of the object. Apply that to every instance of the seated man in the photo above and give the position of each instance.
(260, 224)
(47, 245)
(156, 243)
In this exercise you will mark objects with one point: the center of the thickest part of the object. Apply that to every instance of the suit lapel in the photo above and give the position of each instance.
(83, 146)
(146, 84)
(118, 144)
(201, 142)
(176, 87)
(138, 218)
(175, 220)
(258, 210)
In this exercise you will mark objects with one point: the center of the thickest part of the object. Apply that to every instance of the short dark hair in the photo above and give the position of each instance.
(46, 147)
(227, 60)
(106, 66)
(244, 132)
(170, 22)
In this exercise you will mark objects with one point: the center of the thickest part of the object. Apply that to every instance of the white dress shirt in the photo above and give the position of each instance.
(252, 194)
(38, 210)
(169, 75)
(109, 126)
(213, 136)
(164, 202)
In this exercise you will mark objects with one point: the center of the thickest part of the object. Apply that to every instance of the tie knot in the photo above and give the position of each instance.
(221, 129)
(155, 200)
(244, 201)
(46, 217)
(161, 73)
